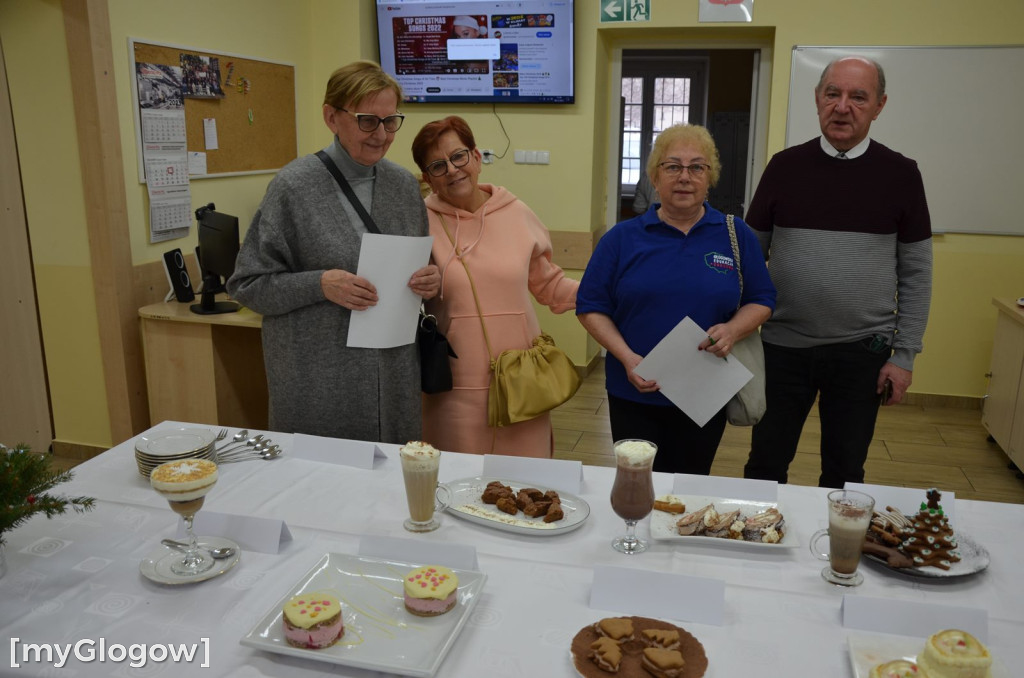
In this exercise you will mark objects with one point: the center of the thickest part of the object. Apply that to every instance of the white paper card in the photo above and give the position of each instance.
(388, 261)
(727, 488)
(911, 618)
(658, 594)
(196, 162)
(449, 554)
(697, 382)
(265, 535)
(558, 474)
(357, 453)
(906, 499)
(210, 133)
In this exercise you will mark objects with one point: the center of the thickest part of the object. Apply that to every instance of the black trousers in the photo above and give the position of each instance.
(683, 447)
(846, 377)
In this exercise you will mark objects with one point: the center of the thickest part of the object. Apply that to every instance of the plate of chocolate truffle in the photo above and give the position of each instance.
(517, 507)
(923, 544)
(371, 613)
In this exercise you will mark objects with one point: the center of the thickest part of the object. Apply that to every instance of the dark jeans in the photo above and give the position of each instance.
(846, 376)
(683, 447)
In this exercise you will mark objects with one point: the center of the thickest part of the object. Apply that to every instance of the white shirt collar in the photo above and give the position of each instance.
(855, 152)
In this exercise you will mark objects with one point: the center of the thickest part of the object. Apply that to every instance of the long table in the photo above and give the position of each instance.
(77, 576)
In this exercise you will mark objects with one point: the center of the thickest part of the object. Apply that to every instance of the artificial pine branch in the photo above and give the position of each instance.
(24, 477)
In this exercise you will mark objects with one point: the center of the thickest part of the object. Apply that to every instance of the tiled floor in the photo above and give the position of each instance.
(914, 446)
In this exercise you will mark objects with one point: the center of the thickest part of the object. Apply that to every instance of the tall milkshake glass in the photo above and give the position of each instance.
(633, 490)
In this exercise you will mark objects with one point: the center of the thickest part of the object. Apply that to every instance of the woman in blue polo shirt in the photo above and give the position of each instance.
(649, 272)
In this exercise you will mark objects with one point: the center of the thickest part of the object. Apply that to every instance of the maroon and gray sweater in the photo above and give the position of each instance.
(849, 248)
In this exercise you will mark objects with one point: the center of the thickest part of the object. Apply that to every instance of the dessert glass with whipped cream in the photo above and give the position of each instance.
(849, 516)
(184, 485)
(420, 464)
(633, 490)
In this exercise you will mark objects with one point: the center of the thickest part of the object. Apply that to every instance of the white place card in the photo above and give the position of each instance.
(909, 618)
(728, 488)
(448, 554)
(558, 474)
(357, 453)
(906, 499)
(658, 594)
(265, 535)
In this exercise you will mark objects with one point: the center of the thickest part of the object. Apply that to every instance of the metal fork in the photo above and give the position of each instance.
(221, 436)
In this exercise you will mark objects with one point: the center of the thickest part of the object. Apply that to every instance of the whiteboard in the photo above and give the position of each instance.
(957, 111)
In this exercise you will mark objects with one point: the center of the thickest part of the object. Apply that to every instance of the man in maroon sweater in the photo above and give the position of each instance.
(844, 225)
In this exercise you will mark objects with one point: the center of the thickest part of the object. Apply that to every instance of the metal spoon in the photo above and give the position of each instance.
(245, 452)
(251, 442)
(268, 453)
(237, 438)
(217, 553)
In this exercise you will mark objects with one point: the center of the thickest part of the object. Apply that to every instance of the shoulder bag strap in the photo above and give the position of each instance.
(368, 221)
(731, 223)
(472, 286)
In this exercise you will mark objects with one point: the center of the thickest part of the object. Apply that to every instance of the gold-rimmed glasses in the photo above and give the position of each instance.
(674, 169)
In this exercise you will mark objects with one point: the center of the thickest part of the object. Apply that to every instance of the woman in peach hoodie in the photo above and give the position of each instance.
(487, 231)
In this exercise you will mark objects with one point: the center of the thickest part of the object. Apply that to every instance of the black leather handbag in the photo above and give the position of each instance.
(435, 355)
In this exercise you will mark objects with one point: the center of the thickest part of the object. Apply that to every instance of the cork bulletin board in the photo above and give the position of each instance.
(264, 141)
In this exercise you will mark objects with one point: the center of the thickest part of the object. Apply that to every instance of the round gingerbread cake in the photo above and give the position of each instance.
(631, 666)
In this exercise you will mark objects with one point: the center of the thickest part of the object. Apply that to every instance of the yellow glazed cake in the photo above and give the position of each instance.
(430, 590)
(900, 668)
(955, 654)
(313, 620)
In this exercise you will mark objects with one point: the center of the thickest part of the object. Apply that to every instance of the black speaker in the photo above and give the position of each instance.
(177, 276)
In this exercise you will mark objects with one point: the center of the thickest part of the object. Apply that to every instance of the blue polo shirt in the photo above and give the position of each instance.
(647, 276)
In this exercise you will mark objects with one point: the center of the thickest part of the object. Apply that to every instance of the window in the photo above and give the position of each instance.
(659, 89)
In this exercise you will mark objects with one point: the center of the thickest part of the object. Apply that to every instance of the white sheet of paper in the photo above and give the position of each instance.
(559, 474)
(911, 618)
(341, 451)
(265, 535)
(388, 261)
(448, 554)
(196, 162)
(210, 133)
(697, 382)
(727, 488)
(658, 594)
(906, 499)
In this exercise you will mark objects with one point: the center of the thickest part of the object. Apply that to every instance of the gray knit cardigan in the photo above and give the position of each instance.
(318, 385)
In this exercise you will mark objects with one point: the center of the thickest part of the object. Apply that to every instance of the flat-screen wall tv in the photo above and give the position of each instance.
(458, 51)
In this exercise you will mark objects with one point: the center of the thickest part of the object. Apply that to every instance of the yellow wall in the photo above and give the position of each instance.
(569, 194)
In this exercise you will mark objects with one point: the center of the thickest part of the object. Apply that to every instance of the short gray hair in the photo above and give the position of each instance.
(878, 69)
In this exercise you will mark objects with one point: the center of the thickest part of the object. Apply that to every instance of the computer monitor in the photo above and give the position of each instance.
(218, 249)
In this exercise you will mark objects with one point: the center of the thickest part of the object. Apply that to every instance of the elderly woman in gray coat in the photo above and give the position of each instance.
(297, 268)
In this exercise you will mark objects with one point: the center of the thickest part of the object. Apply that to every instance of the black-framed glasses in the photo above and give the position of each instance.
(368, 122)
(674, 169)
(439, 168)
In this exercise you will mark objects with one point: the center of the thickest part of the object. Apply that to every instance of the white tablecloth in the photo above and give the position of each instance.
(77, 576)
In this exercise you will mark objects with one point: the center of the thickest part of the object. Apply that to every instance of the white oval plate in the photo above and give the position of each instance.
(663, 524)
(169, 442)
(157, 565)
(974, 558)
(467, 504)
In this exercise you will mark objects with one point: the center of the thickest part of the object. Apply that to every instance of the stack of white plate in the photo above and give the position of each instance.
(172, 444)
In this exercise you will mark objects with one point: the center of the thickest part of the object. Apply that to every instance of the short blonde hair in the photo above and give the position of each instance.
(352, 83)
(695, 135)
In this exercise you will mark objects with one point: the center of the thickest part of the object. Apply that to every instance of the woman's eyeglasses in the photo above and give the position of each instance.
(368, 122)
(439, 168)
(674, 169)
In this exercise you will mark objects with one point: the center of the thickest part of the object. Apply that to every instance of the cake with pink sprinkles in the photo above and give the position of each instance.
(430, 590)
(313, 620)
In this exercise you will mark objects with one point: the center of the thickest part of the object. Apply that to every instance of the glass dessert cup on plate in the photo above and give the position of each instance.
(633, 490)
(184, 484)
